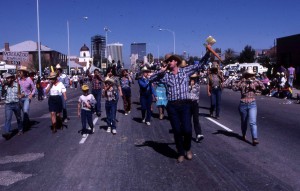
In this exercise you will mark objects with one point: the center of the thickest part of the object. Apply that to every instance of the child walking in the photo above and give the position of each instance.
(85, 104)
(110, 92)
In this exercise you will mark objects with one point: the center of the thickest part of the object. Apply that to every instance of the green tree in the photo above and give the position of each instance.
(229, 56)
(247, 55)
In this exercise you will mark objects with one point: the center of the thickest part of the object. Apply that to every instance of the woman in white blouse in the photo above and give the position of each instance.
(55, 89)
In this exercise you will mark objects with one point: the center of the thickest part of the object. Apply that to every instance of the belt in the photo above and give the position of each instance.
(215, 87)
(180, 101)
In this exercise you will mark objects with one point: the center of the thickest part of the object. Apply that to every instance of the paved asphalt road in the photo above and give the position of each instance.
(142, 157)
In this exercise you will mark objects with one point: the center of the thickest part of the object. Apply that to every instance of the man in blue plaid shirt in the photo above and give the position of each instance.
(176, 80)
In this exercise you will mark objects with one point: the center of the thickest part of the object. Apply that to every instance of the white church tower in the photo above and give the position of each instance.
(85, 56)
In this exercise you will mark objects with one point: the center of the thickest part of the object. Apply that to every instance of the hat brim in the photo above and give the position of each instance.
(173, 57)
(52, 77)
(24, 70)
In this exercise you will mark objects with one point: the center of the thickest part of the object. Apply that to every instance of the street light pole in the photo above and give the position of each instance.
(173, 37)
(106, 29)
(68, 30)
(39, 42)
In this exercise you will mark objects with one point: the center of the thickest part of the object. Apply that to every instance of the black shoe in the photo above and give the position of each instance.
(199, 138)
(98, 114)
(6, 136)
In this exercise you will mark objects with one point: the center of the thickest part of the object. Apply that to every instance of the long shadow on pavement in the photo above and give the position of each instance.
(161, 148)
(231, 134)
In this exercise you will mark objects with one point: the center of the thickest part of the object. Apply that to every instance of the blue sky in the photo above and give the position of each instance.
(233, 23)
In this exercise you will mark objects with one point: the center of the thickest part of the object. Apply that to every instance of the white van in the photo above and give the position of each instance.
(7, 68)
(257, 67)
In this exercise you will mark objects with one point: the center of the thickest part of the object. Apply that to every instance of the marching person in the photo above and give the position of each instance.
(85, 104)
(194, 88)
(176, 80)
(97, 89)
(146, 95)
(11, 106)
(55, 89)
(27, 90)
(110, 92)
(125, 83)
(248, 86)
(63, 78)
(161, 99)
(214, 89)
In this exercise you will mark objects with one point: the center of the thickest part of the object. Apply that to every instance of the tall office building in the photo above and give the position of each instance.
(98, 45)
(139, 49)
(114, 51)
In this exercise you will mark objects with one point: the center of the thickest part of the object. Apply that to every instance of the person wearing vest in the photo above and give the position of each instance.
(214, 89)
(11, 106)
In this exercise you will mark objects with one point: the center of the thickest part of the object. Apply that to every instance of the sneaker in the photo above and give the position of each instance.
(144, 120)
(66, 121)
(114, 131)
(84, 135)
(93, 130)
(98, 114)
(89, 128)
(189, 155)
(108, 129)
(126, 113)
(199, 138)
(129, 111)
(148, 123)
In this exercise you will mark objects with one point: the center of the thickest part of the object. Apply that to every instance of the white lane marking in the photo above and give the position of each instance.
(224, 127)
(84, 138)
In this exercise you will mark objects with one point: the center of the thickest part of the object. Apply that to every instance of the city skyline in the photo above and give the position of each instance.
(234, 24)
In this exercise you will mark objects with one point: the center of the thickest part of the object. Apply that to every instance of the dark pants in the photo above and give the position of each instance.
(86, 116)
(146, 101)
(97, 93)
(64, 104)
(180, 118)
(111, 109)
(215, 101)
(127, 103)
(40, 93)
(195, 116)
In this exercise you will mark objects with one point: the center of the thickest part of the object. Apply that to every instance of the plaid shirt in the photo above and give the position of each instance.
(248, 89)
(12, 93)
(177, 85)
(96, 83)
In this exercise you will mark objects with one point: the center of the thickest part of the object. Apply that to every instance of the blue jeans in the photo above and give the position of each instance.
(11, 108)
(111, 110)
(86, 116)
(215, 101)
(248, 111)
(146, 101)
(26, 103)
(97, 93)
(180, 119)
(291, 80)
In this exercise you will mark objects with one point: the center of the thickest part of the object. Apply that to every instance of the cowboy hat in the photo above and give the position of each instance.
(58, 66)
(169, 57)
(52, 75)
(183, 64)
(109, 80)
(23, 68)
(249, 71)
(84, 87)
(8, 75)
(195, 75)
(214, 66)
(145, 69)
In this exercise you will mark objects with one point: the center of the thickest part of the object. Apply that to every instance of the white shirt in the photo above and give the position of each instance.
(83, 100)
(57, 89)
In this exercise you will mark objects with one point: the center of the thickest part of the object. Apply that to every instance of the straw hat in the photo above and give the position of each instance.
(145, 69)
(58, 66)
(23, 68)
(109, 80)
(195, 75)
(52, 75)
(8, 75)
(84, 87)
